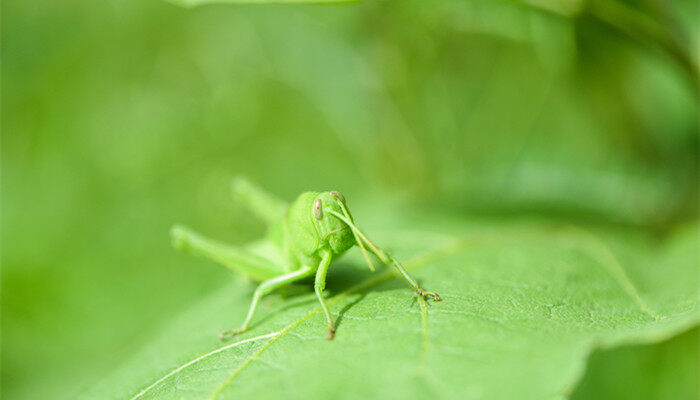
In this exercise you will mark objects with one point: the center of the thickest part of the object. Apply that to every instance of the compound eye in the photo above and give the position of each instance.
(338, 196)
(318, 211)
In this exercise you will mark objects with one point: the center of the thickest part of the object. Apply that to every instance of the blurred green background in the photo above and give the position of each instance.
(123, 117)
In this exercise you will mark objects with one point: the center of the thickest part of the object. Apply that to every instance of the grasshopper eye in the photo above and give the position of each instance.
(338, 196)
(318, 211)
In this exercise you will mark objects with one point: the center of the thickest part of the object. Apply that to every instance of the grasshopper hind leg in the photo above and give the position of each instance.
(238, 259)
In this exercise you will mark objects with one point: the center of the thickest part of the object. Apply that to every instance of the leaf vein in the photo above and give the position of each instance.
(195, 360)
(425, 338)
(602, 253)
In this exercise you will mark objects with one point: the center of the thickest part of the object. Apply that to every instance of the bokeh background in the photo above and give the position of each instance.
(122, 117)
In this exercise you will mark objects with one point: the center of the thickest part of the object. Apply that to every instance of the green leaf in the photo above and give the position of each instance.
(192, 3)
(524, 305)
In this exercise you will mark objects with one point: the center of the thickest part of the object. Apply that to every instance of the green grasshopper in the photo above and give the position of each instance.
(303, 239)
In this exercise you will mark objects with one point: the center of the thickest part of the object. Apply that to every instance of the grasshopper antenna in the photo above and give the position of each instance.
(348, 220)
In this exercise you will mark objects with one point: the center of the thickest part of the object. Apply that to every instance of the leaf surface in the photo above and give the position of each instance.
(524, 305)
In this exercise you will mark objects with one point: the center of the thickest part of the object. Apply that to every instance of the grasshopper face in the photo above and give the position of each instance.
(333, 232)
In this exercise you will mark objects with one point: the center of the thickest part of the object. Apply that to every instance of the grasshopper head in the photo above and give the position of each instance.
(332, 229)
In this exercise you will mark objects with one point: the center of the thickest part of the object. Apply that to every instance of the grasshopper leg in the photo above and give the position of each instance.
(386, 258)
(263, 289)
(383, 256)
(236, 258)
(319, 287)
(414, 285)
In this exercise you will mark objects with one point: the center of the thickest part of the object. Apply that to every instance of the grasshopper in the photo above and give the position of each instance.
(303, 239)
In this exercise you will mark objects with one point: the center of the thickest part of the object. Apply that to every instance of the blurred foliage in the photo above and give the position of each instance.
(668, 370)
(122, 117)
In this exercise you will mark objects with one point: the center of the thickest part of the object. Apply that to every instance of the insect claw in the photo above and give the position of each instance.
(434, 295)
(422, 293)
